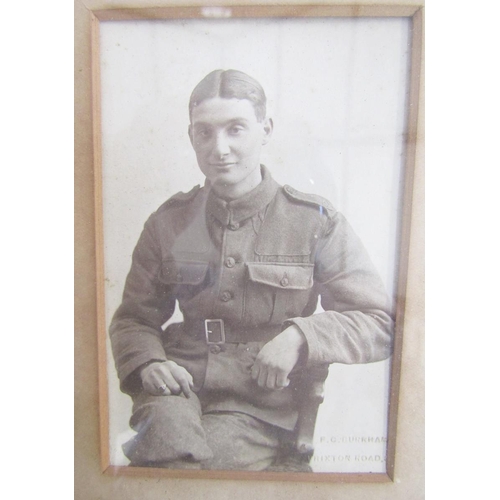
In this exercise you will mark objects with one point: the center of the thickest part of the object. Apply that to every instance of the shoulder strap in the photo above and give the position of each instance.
(309, 199)
(180, 198)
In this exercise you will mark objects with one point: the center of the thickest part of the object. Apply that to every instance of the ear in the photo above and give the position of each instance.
(190, 134)
(268, 130)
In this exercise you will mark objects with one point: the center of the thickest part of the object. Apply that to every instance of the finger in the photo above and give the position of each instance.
(163, 390)
(151, 382)
(271, 380)
(282, 380)
(156, 388)
(189, 379)
(149, 387)
(158, 384)
(155, 377)
(147, 375)
(183, 378)
(262, 380)
(157, 380)
(184, 383)
(170, 381)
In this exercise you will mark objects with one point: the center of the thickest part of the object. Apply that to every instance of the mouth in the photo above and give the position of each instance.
(222, 165)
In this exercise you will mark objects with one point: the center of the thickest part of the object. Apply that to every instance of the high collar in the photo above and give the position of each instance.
(235, 211)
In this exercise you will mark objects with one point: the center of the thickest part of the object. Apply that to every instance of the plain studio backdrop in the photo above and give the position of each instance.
(337, 91)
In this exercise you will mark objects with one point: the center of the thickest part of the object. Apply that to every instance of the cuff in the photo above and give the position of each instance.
(313, 356)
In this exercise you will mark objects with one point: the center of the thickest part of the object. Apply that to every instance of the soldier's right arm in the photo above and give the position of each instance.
(147, 304)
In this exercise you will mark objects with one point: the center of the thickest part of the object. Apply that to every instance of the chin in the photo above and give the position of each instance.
(224, 180)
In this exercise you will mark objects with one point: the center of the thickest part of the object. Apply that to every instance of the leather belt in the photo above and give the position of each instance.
(217, 331)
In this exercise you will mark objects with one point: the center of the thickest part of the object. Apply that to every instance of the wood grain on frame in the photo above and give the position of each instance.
(99, 239)
(258, 11)
(411, 146)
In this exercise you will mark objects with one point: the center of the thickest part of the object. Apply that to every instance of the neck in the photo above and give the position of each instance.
(234, 191)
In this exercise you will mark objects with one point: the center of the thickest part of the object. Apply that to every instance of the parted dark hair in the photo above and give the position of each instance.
(230, 84)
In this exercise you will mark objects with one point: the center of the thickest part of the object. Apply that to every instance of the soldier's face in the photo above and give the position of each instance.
(227, 139)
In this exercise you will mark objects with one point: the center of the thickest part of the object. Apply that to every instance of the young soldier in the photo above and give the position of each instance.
(246, 260)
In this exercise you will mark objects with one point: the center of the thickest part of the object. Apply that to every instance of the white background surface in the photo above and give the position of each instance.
(337, 94)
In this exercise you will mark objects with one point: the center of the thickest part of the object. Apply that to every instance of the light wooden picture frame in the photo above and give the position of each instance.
(414, 16)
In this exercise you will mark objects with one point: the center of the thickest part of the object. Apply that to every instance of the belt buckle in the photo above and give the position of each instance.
(215, 328)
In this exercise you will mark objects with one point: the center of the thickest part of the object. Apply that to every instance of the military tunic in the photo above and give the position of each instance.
(258, 263)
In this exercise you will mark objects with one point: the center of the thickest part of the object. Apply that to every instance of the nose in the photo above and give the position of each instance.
(221, 145)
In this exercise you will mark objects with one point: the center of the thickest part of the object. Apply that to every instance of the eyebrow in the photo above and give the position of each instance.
(229, 122)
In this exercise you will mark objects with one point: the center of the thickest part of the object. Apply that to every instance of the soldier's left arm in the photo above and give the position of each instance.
(357, 325)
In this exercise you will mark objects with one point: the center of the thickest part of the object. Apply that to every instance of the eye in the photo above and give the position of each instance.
(203, 133)
(236, 129)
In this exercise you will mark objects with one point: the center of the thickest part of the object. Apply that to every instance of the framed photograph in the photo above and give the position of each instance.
(295, 271)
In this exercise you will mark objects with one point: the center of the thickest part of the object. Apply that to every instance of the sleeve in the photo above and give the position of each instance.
(135, 329)
(356, 326)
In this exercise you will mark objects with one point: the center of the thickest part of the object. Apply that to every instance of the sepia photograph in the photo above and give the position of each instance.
(253, 183)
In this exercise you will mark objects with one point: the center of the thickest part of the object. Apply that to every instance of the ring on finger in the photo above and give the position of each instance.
(162, 388)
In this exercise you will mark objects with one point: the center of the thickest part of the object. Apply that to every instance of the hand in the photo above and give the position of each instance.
(166, 378)
(277, 359)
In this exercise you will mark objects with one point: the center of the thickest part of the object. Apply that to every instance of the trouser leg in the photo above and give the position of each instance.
(240, 442)
(171, 432)
(168, 429)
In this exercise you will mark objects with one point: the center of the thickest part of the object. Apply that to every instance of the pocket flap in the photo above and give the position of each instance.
(183, 272)
(285, 276)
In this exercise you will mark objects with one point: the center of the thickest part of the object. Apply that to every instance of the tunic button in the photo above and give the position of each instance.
(215, 349)
(234, 226)
(230, 262)
(284, 282)
(225, 296)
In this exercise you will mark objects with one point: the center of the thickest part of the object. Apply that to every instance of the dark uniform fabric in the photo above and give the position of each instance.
(259, 263)
(173, 432)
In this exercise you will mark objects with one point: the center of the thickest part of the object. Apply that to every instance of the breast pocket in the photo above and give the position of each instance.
(188, 277)
(277, 291)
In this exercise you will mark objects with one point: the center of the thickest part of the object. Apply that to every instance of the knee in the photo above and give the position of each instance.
(164, 412)
(168, 429)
